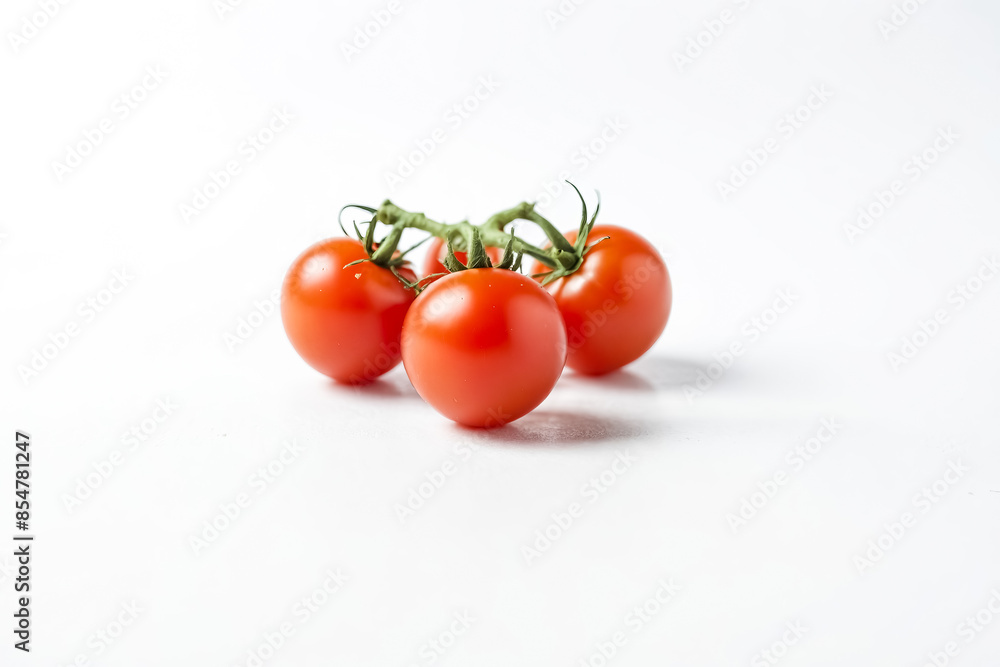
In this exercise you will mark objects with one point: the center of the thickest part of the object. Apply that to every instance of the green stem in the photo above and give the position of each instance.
(491, 232)
(526, 211)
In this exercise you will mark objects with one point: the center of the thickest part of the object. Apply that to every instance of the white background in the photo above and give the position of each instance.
(696, 457)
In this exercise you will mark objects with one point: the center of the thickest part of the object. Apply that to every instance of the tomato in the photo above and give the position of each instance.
(438, 248)
(616, 304)
(484, 346)
(344, 322)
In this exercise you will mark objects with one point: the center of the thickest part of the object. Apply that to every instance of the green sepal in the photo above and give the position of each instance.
(386, 247)
(451, 262)
(508, 261)
(570, 261)
(369, 240)
(340, 218)
(478, 259)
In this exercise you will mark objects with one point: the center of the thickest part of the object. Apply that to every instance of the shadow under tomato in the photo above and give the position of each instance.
(622, 379)
(666, 372)
(562, 428)
(388, 386)
(652, 373)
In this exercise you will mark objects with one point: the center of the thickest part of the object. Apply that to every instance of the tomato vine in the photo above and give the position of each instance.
(561, 258)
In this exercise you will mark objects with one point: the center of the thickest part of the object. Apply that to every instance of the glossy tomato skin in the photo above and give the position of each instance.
(616, 304)
(437, 249)
(484, 347)
(345, 323)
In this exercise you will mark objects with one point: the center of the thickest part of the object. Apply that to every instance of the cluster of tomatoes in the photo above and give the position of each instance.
(481, 342)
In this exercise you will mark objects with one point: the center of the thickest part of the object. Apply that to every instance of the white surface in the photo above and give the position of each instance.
(695, 460)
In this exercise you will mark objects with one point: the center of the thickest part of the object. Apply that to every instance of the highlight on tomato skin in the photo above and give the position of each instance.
(344, 322)
(616, 305)
(438, 248)
(484, 347)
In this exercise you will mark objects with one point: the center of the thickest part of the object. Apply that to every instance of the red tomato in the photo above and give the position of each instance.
(617, 304)
(345, 323)
(438, 248)
(484, 347)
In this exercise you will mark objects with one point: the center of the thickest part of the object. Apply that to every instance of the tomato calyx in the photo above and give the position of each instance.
(570, 255)
(477, 257)
(384, 252)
